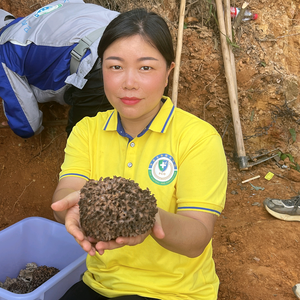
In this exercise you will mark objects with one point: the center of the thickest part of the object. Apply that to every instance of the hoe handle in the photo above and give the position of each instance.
(231, 84)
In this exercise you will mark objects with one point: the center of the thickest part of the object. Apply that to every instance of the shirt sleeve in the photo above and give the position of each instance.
(77, 153)
(202, 178)
(20, 105)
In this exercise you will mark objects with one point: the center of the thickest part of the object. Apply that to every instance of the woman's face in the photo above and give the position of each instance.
(135, 75)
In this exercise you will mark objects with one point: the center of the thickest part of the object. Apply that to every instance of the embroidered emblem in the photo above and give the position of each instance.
(47, 9)
(163, 165)
(162, 169)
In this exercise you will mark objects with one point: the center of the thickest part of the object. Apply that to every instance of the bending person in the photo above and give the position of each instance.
(173, 260)
(36, 63)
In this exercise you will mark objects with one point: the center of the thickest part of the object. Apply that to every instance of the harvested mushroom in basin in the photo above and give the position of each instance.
(114, 207)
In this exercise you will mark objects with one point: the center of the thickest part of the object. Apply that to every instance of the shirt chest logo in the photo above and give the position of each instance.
(46, 9)
(162, 169)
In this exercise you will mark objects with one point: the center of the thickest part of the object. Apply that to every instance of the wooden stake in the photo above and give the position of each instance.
(247, 180)
(229, 34)
(231, 90)
(178, 52)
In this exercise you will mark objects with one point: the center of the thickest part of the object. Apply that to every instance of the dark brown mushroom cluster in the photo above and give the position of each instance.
(41, 275)
(29, 279)
(114, 207)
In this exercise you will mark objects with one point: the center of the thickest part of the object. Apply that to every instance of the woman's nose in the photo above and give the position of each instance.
(130, 80)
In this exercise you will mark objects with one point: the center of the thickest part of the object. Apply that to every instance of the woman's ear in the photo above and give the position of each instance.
(172, 66)
(169, 71)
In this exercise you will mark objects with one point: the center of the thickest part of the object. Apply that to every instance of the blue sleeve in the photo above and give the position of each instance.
(20, 106)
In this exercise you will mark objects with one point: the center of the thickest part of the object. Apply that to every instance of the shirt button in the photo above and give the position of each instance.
(129, 165)
(132, 144)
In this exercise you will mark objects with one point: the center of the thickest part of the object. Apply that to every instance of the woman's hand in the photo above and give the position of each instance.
(70, 208)
(119, 242)
(72, 220)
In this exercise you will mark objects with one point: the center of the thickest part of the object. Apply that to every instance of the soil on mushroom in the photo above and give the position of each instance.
(256, 255)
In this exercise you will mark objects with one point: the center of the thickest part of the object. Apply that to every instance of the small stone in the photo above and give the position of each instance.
(293, 175)
(233, 237)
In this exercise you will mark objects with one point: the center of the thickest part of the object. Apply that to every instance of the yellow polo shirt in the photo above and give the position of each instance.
(180, 158)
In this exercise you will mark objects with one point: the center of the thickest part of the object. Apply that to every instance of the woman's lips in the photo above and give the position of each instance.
(130, 100)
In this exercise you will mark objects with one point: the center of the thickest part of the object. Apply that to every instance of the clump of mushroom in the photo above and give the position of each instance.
(115, 207)
(41, 275)
(29, 279)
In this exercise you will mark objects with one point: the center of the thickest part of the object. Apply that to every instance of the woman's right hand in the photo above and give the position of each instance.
(72, 220)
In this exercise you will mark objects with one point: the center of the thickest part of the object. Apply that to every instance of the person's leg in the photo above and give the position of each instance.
(87, 101)
(80, 291)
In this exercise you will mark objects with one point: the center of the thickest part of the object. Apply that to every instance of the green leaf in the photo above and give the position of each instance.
(296, 167)
(293, 134)
(231, 43)
(285, 155)
(263, 63)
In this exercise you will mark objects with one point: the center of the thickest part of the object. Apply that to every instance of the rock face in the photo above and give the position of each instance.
(113, 207)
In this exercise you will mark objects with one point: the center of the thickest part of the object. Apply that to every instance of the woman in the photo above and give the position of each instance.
(179, 157)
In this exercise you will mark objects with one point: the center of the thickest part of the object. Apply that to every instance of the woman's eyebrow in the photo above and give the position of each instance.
(114, 58)
(140, 59)
(147, 58)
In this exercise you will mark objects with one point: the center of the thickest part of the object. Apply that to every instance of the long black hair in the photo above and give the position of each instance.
(150, 26)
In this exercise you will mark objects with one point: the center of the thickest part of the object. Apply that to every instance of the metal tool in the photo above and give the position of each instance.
(250, 161)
